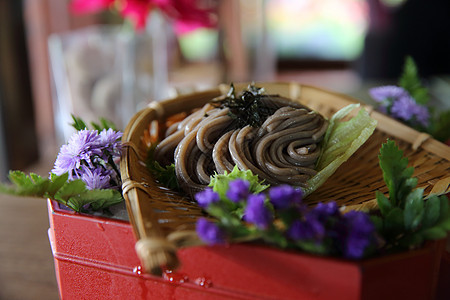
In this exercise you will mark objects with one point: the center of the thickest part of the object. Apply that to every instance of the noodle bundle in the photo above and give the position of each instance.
(275, 138)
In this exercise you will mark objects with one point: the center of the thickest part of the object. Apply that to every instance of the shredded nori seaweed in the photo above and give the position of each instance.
(247, 108)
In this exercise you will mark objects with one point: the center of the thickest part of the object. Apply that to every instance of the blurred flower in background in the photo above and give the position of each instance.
(187, 14)
(396, 101)
(409, 102)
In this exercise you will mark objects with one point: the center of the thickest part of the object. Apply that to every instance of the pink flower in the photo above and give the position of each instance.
(137, 11)
(187, 14)
(89, 6)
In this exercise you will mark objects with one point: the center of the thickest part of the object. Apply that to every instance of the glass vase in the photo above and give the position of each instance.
(107, 71)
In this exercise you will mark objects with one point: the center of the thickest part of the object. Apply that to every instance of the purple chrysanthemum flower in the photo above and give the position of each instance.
(80, 147)
(385, 93)
(207, 197)
(422, 115)
(358, 234)
(324, 211)
(97, 178)
(284, 196)
(400, 104)
(238, 190)
(110, 141)
(256, 212)
(403, 108)
(309, 229)
(209, 232)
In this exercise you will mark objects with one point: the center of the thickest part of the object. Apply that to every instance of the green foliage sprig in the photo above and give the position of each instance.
(164, 174)
(407, 218)
(410, 81)
(79, 124)
(73, 194)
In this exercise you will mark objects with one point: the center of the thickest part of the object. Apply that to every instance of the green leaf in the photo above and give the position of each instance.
(414, 211)
(444, 208)
(37, 179)
(395, 171)
(26, 185)
(275, 237)
(312, 247)
(19, 178)
(70, 189)
(57, 182)
(96, 126)
(405, 187)
(109, 198)
(432, 211)
(445, 224)
(220, 182)
(420, 95)
(411, 240)
(408, 172)
(76, 203)
(243, 233)
(70, 193)
(410, 81)
(165, 175)
(394, 222)
(98, 199)
(444, 213)
(383, 203)
(377, 222)
(439, 126)
(434, 233)
(341, 140)
(33, 185)
(78, 123)
(107, 124)
(222, 214)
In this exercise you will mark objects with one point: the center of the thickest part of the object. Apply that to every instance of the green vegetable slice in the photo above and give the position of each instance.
(341, 140)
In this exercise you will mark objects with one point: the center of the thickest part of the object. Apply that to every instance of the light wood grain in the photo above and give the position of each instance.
(26, 260)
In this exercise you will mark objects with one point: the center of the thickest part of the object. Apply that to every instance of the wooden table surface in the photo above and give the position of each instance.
(26, 260)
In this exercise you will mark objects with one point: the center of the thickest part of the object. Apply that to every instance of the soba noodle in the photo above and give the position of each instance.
(283, 149)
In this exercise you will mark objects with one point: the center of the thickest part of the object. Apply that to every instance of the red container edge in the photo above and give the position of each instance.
(95, 259)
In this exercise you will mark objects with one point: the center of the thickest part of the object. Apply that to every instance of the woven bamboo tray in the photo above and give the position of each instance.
(164, 221)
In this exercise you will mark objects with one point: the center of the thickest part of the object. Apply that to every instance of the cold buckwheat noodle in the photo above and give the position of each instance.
(282, 149)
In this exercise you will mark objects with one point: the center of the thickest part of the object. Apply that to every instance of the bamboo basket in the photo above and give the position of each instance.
(164, 221)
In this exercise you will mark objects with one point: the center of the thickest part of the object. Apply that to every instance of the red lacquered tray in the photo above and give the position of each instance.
(95, 259)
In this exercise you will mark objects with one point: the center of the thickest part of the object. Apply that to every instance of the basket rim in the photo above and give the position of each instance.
(415, 138)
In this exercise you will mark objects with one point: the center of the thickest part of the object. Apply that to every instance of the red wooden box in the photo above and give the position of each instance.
(95, 259)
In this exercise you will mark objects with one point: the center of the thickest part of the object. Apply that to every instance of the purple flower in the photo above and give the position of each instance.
(110, 142)
(284, 196)
(400, 104)
(385, 93)
(422, 115)
(97, 178)
(324, 211)
(209, 232)
(81, 146)
(207, 197)
(404, 108)
(238, 190)
(309, 229)
(358, 233)
(256, 212)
